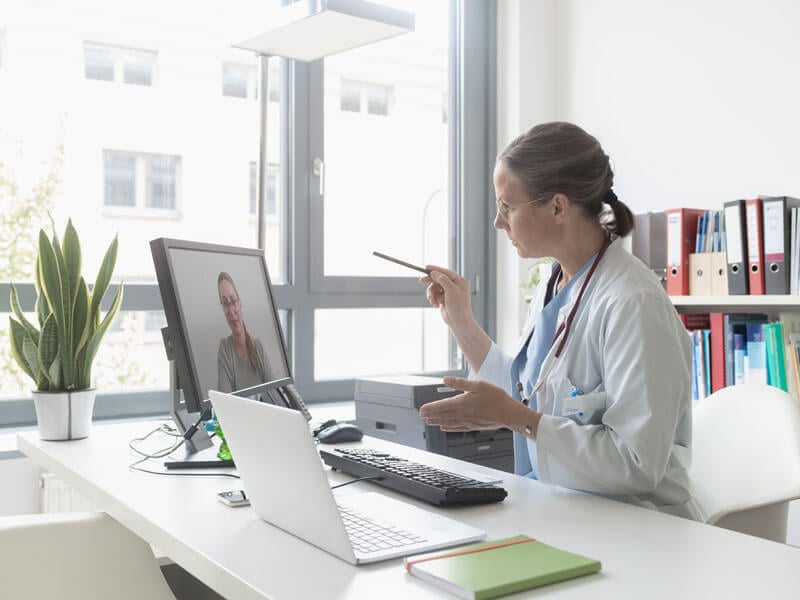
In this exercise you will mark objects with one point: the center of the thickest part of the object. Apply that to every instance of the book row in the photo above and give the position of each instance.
(730, 349)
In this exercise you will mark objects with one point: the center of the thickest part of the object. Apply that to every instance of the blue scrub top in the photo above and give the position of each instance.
(527, 364)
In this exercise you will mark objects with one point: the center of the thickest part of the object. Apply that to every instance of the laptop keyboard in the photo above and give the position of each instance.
(368, 536)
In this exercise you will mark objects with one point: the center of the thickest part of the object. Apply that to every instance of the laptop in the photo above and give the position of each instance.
(289, 488)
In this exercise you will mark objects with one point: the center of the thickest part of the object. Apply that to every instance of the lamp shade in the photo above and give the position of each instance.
(308, 30)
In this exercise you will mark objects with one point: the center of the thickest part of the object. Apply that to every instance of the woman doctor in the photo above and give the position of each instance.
(597, 390)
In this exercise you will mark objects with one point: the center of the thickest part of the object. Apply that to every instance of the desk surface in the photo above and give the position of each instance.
(644, 554)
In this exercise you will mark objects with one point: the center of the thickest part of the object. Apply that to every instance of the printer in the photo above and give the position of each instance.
(388, 408)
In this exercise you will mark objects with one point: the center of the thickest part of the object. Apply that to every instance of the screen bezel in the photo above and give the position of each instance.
(194, 398)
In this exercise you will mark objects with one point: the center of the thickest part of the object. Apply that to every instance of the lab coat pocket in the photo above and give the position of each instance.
(585, 409)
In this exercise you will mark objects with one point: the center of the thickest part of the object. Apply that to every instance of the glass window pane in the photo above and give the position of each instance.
(405, 79)
(350, 96)
(378, 97)
(132, 355)
(120, 179)
(419, 342)
(137, 67)
(98, 63)
(88, 145)
(236, 79)
(162, 174)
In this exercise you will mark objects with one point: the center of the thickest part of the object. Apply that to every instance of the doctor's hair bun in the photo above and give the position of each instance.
(560, 157)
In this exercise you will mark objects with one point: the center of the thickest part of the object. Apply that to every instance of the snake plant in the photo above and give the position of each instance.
(58, 354)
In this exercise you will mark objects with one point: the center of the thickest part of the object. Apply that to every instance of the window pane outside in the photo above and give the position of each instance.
(378, 341)
(120, 179)
(98, 63)
(122, 159)
(162, 174)
(236, 79)
(402, 192)
(73, 155)
(137, 67)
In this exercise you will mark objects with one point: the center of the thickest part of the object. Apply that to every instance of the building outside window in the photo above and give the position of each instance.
(140, 180)
(241, 81)
(370, 98)
(175, 156)
(125, 65)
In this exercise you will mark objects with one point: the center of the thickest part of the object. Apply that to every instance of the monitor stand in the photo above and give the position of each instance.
(201, 452)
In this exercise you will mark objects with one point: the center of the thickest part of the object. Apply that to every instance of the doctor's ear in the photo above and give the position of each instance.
(561, 205)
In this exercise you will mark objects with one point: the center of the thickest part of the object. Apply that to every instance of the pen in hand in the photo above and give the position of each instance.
(402, 262)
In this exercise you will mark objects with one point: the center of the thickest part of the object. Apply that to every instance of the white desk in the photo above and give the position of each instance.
(644, 554)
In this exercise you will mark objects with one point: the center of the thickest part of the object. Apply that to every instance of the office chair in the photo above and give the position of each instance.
(746, 458)
(76, 556)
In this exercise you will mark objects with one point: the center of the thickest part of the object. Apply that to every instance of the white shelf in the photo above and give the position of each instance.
(768, 303)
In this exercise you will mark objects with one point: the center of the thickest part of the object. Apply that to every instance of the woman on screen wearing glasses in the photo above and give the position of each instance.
(240, 358)
(598, 388)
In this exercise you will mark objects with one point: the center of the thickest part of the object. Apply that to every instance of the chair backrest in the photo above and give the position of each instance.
(73, 556)
(745, 451)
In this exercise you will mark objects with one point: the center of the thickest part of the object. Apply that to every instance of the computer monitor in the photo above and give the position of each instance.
(223, 331)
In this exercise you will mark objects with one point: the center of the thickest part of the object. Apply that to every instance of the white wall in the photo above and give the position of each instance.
(19, 480)
(696, 101)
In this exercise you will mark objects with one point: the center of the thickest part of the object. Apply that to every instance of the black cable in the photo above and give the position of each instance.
(373, 478)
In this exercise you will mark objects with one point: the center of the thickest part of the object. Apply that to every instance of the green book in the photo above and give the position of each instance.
(492, 569)
(776, 361)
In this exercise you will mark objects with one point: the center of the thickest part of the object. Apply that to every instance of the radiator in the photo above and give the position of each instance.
(57, 496)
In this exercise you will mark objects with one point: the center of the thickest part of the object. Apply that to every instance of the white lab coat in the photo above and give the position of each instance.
(628, 435)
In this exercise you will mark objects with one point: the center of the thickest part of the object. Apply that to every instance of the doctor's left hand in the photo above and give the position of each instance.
(481, 406)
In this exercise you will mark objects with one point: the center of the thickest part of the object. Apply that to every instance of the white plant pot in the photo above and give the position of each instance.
(64, 415)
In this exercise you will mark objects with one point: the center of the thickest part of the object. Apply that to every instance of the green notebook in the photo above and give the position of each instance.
(493, 569)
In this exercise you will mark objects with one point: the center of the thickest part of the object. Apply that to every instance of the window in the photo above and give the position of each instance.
(359, 160)
(238, 81)
(109, 63)
(140, 180)
(271, 209)
(241, 81)
(120, 179)
(370, 98)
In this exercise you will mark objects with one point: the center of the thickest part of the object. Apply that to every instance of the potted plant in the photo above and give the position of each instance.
(58, 354)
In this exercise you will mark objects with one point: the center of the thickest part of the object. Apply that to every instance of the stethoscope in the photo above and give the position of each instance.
(566, 325)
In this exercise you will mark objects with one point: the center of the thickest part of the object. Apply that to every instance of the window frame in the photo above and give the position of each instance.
(472, 77)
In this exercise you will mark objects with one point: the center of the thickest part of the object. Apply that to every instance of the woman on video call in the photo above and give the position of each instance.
(598, 389)
(240, 358)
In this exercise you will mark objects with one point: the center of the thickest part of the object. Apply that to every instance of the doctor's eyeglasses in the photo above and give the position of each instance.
(505, 210)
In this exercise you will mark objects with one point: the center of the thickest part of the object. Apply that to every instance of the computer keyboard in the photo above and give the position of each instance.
(413, 479)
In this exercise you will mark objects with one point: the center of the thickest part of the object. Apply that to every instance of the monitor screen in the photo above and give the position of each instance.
(223, 326)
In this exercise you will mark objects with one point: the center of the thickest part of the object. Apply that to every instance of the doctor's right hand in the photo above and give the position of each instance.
(450, 293)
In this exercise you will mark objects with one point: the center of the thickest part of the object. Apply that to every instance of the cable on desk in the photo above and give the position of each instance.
(373, 478)
(170, 431)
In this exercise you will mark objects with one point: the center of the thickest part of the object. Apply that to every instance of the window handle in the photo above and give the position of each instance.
(319, 170)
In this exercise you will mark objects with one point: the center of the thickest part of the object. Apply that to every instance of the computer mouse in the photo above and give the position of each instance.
(340, 432)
